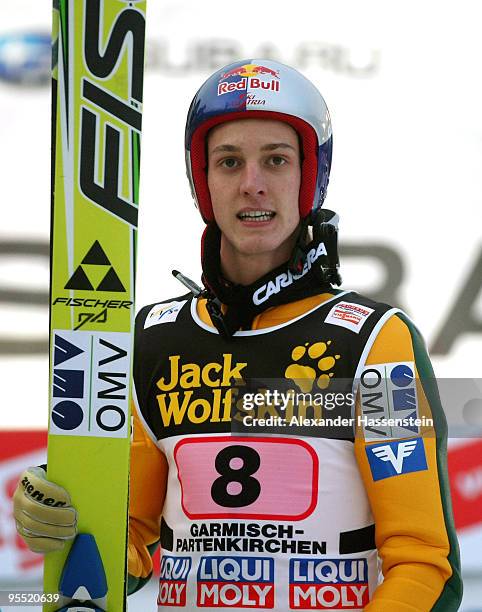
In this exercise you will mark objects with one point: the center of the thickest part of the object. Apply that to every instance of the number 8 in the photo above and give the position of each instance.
(250, 487)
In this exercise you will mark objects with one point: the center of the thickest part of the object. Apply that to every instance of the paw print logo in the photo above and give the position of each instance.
(311, 364)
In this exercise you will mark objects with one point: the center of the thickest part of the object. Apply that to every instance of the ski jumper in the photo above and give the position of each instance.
(261, 501)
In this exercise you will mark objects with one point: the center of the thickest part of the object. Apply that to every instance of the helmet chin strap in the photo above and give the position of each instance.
(213, 304)
(298, 256)
(325, 229)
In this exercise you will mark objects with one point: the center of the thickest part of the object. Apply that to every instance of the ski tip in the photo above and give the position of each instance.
(83, 577)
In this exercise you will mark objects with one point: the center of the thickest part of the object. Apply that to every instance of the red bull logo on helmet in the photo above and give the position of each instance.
(253, 76)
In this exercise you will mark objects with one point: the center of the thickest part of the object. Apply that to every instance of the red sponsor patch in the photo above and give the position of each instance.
(349, 315)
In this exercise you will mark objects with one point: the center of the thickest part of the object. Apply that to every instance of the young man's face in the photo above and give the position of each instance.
(254, 176)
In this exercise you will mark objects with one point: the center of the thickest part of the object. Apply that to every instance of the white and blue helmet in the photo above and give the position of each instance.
(261, 89)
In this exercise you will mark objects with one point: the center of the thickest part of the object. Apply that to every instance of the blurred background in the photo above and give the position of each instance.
(401, 80)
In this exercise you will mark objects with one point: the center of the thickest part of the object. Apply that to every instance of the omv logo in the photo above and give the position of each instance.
(25, 58)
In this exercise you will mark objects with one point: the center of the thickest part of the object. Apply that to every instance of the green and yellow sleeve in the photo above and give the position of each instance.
(415, 534)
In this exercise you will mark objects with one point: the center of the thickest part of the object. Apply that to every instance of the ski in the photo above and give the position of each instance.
(97, 83)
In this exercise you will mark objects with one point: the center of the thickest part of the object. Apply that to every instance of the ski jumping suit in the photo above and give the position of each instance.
(290, 513)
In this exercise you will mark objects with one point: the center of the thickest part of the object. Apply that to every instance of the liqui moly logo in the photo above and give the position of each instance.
(240, 582)
(172, 580)
(328, 584)
(253, 76)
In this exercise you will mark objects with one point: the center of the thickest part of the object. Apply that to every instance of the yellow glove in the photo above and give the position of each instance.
(43, 512)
